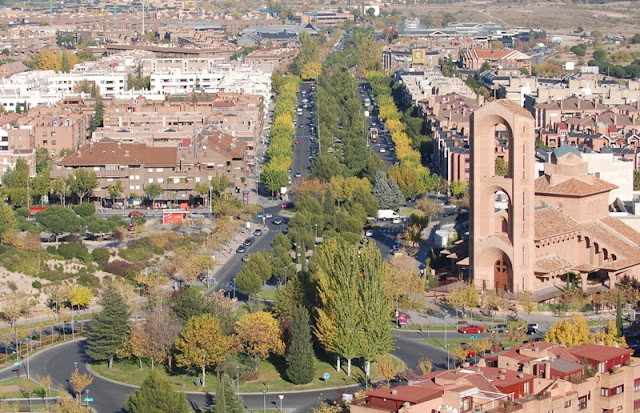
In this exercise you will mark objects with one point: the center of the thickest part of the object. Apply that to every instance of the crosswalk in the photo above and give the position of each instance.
(388, 230)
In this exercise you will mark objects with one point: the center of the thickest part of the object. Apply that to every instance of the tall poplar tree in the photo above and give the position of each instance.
(619, 325)
(337, 324)
(109, 327)
(300, 351)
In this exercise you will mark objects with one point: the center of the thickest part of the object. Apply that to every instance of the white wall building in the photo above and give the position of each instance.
(613, 169)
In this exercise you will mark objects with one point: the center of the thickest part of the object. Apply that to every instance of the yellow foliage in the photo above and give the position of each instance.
(311, 70)
(80, 296)
(164, 239)
(573, 331)
(260, 334)
(48, 60)
(395, 125)
(609, 336)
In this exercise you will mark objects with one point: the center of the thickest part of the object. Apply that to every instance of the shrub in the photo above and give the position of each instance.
(117, 267)
(158, 251)
(23, 212)
(100, 255)
(51, 249)
(116, 222)
(75, 249)
(136, 254)
(85, 210)
(138, 221)
(36, 285)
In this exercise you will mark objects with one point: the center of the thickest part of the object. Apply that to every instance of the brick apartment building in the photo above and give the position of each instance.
(9, 157)
(473, 59)
(177, 170)
(531, 378)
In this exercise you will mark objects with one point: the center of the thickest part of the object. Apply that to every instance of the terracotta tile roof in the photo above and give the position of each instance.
(114, 153)
(550, 222)
(550, 263)
(411, 394)
(510, 377)
(599, 353)
(481, 383)
(223, 143)
(573, 186)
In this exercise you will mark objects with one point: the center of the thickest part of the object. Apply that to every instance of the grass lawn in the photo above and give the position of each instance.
(268, 294)
(199, 288)
(270, 376)
(11, 389)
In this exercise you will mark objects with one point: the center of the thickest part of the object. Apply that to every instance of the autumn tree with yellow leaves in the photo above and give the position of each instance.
(572, 331)
(258, 335)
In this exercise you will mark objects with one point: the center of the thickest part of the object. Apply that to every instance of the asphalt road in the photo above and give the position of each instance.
(303, 133)
(373, 121)
(109, 397)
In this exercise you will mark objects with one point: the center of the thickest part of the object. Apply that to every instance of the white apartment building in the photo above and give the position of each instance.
(208, 76)
(108, 83)
(431, 82)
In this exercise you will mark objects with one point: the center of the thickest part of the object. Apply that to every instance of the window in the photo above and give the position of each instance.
(618, 390)
(197, 179)
(582, 403)
(109, 179)
(111, 167)
(602, 367)
(604, 392)
(132, 177)
(160, 180)
(137, 176)
(636, 387)
(159, 169)
(45, 142)
(132, 187)
(96, 168)
(176, 180)
(150, 180)
(137, 186)
(527, 387)
(53, 141)
(150, 169)
(465, 404)
(567, 403)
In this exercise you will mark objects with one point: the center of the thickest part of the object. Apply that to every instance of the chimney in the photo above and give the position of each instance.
(501, 377)
(503, 370)
(394, 391)
(79, 153)
(126, 152)
(521, 375)
(547, 370)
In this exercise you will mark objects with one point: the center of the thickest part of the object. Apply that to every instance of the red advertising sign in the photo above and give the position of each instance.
(403, 319)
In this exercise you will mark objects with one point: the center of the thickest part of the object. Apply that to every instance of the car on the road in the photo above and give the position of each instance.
(257, 232)
(249, 242)
(135, 214)
(268, 215)
(298, 174)
(285, 231)
(297, 141)
(471, 329)
(532, 328)
(241, 249)
(368, 233)
(7, 350)
(382, 150)
(500, 328)
(396, 221)
(287, 205)
(195, 215)
(277, 221)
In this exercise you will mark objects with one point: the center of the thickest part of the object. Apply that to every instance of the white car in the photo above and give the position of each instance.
(382, 150)
(396, 221)
(268, 215)
(368, 233)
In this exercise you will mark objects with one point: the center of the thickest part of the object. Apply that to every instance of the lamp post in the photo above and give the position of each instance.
(447, 357)
(233, 280)
(264, 400)
(238, 378)
(316, 225)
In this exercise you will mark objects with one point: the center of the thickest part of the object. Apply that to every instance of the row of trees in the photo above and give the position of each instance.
(276, 172)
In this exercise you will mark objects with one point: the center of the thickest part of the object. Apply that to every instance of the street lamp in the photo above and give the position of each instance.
(316, 225)
(75, 364)
(447, 357)
(233, 280)
(264, 400)
(238, 378)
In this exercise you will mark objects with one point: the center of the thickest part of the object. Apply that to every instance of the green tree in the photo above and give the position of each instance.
(43, 160)
(600, 55)
(153, 190)
(300, 351)
(8, 221)
(387, 192)
(219, 184)
(85, 210)
(109, 327)
(156, 395)
(619, 324)
(57, 220)
(501, 167)
(248, 282)
(202, 344)
(459, 188)
(259, 264)
(96, 120)
(83, 183)
(190, 303)
(115, 191)
(226, 400)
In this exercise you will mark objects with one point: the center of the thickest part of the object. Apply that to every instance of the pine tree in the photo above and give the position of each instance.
(387, 192)
(156, 395)
(300, 352)
(619, 325)
(109, 327)
(98, 113)
(226, 401)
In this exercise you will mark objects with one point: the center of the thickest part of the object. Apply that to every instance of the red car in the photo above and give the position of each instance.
(131, 228)
(297, 141)
(135, 214)
(471, 329)
(287, 205)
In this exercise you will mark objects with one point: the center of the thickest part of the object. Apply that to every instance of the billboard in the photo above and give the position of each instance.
(418, 56)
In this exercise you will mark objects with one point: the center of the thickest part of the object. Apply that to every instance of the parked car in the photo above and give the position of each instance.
(368, 233)
(245, 258)
(297, 141)
(532, 328)
(277, 221)
(249, 242)
(131, 228)
(500, 328)
(471, 329)
(241, 249)
(287, 205)
(257, 232)
(7, 350)
(298, 174)
(135, 214)
(268, 215)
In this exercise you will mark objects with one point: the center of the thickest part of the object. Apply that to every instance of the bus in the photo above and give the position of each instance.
(373, 132)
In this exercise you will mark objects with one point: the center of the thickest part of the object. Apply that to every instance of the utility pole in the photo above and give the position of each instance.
(50, 12)
(143, 28)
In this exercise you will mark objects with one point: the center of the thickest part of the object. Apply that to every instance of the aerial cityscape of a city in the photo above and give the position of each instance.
(303, 206)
